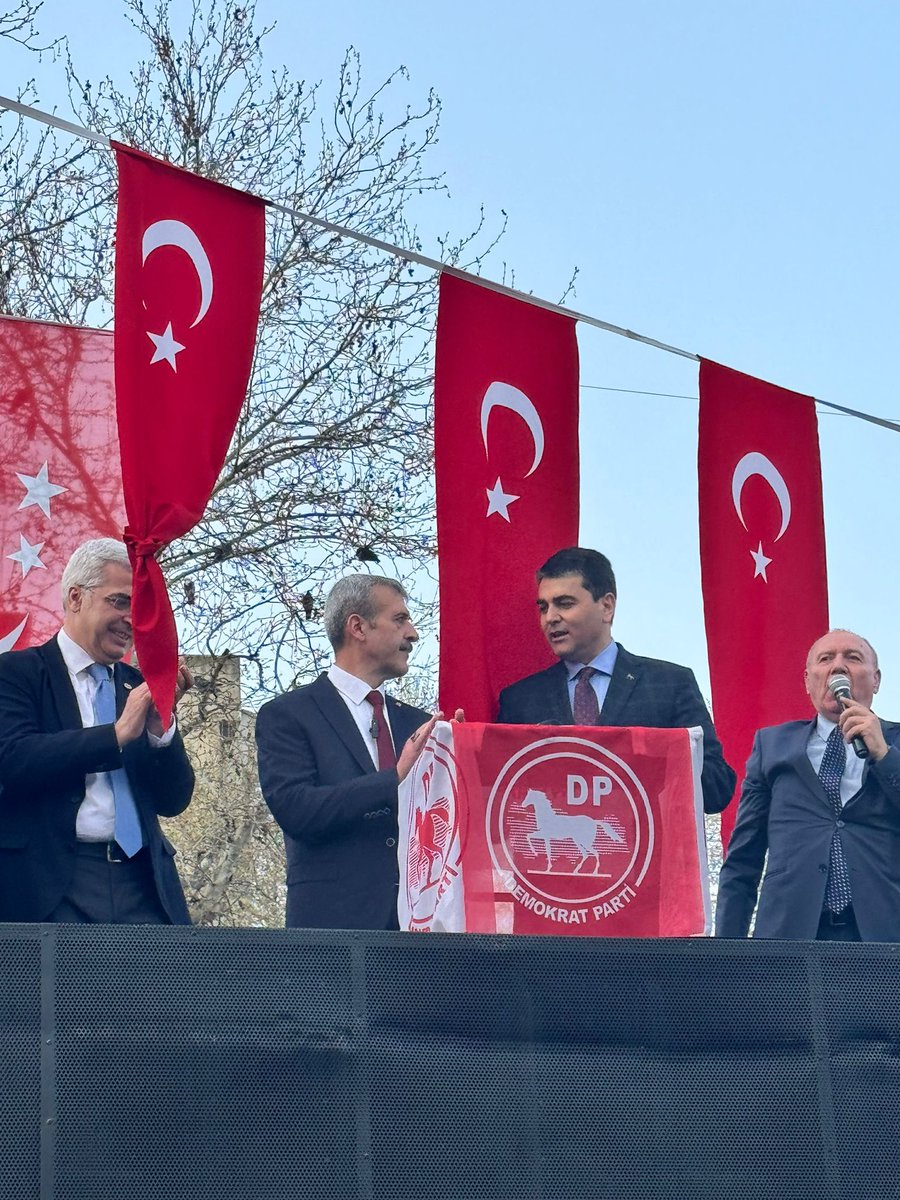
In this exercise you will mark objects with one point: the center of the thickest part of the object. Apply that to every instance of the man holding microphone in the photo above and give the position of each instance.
(822, 798)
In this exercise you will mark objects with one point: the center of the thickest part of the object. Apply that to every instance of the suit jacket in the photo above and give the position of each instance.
(784, 810)
(642, 692)
(45, 754)
(338, 813)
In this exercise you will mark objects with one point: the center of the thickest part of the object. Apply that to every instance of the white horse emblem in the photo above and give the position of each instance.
(578, 828)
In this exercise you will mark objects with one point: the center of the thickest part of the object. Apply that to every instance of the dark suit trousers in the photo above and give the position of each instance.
(110, 893)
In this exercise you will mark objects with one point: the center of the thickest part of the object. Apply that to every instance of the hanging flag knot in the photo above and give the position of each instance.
(142, 547)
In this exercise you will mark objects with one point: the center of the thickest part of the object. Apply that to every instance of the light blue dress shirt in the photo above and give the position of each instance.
(603, 664)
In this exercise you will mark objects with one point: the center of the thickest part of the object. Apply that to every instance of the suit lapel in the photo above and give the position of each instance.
(67, 711)
(559, 710)
(621, 685)
(799, 759)
(124, 680)
(335, 711)
(804, 768)
(403, 722)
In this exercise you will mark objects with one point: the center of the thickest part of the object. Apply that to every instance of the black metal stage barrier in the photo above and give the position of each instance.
(267, 1065)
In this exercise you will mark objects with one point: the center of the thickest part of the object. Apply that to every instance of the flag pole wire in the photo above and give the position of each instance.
(37, 114)
(433, 264)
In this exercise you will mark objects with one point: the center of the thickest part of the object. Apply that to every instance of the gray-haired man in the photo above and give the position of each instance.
(331, 755)
(86, 767)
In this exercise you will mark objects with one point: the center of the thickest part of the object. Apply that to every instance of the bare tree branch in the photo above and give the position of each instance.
(332, 450)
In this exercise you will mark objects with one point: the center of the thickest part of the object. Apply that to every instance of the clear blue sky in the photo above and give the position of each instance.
(724, 176)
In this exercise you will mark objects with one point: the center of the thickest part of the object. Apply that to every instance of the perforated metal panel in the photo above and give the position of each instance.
(20, 1063)
(262, 1065)
(861, 1006)
(568, 1070)
(195, 1066)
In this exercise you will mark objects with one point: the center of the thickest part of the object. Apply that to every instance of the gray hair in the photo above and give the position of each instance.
(353, 594)
(86, 566)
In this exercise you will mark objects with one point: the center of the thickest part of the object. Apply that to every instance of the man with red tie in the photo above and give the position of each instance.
(596, 681)
(331, 756)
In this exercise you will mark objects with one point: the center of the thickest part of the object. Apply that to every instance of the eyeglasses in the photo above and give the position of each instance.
(118, 600)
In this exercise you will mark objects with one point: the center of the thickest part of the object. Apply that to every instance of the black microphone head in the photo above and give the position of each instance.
(839, 686)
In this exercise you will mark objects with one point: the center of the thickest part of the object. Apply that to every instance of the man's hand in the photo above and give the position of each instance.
(184, 680)
(858, 721)
(133, 718)
(415, 745)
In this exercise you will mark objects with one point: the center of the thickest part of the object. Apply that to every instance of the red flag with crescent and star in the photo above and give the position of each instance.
(189, 269)
(506, 477)
(762, 553)
(59, 466)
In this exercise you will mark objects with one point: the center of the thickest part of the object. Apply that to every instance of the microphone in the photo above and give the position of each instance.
(839, 686)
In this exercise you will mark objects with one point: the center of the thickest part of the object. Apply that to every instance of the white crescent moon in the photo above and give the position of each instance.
(176, 233)
(504, 395)
(757, 464)
(7, 643)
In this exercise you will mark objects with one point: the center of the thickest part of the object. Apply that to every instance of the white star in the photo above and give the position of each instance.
(761, 562)
(27, 556)
(39, 490)
(166, 347)
(499, 501)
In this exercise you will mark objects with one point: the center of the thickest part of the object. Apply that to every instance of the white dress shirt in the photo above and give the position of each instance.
(96, 817)
(353, 691)
(851, 780)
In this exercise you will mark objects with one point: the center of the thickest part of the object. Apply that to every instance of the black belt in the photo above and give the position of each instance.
(834, 919)
(111, 851)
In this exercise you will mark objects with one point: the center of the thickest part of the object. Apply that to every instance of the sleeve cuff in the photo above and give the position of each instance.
(160, 743)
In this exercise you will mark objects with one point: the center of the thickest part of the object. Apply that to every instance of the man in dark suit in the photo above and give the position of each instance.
(597, 681)
(86, 767)
(828, 818)
(331, 755)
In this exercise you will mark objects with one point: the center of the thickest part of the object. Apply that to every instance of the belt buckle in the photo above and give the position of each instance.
(112, 850)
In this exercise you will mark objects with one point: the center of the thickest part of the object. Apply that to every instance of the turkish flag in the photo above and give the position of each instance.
(189, 268)
(587, 831)
(59, 466)
(506, 477)
(762, 553)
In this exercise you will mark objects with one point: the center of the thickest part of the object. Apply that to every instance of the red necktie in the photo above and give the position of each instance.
(586, 709)
(381, 732)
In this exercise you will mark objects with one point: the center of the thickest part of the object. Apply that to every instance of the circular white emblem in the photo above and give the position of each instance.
(571, 821)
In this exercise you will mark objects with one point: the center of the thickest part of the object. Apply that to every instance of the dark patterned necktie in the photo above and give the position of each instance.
(585, 709)
(387, 756)
(837, 887)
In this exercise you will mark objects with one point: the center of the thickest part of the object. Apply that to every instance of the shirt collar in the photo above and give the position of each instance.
(351, 686)
(604, 662)
(75, 657)
(824, 726)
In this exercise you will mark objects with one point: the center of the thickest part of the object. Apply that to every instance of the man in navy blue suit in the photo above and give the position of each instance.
(828, 818)
(331, 755)
(86, 767)
(597, 681)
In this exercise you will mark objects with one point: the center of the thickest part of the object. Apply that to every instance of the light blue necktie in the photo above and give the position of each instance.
(128, 823)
